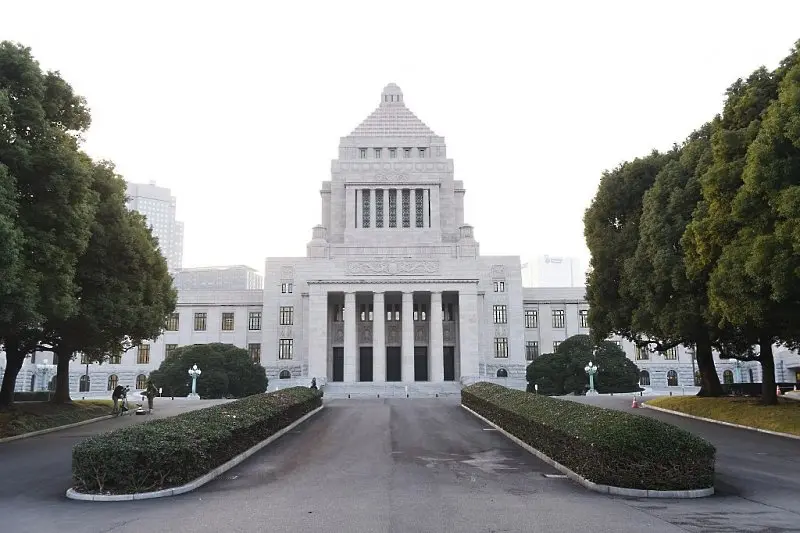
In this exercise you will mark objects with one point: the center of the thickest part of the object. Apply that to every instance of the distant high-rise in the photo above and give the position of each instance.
(158, 206)
(553, 271)
(221, 278)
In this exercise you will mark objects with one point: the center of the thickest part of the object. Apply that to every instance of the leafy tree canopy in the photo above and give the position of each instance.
(226, 370)
(563, 372)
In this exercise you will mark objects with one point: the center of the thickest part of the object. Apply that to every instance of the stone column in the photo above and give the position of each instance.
(434, 193)
(385, 208)
(359, 209)
(350, 214)
(372, 219)
(426, 197)
(468, 333)
(350, 340)
(407, 323)
(437, 338)
(412, 198)
(378, 338)
(317, 334)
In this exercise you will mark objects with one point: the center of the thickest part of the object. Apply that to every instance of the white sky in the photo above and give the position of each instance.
(238, 106)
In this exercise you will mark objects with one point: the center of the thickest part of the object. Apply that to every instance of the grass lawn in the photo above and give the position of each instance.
(33, 416)
(784, 417)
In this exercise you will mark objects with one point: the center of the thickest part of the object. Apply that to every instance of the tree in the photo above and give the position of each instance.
(563, 372)
(11, 239)
(226, 370)
(669, 307)
(126, 289)
(611, 227)
(755, 281)
(41, 122)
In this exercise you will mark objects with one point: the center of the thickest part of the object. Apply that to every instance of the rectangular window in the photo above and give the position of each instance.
(254, 321)
(556, 344)
(420, 312)
(447, 313)
(200, 321)
(143, 355)
(392, 153)
(227, 321)
(558, 318)
(113, 359)
(500, 314)
(583, 317)
(501, 347)
(499, 286)
(255, 352)
(531, 350)
(531, 318)
(286, 288)
(378, 208)
(365, 197)
(642, 353)
(338, 313)
(366, 313)
(377, 153)
(285, 348)
(406, 208)
(168, 349)
(671, 354)
(406, 153)
(419, 215)
(392, 312)
(173, 321)
(422, 153)
(362, 153)
(392, 208)
(286, 315)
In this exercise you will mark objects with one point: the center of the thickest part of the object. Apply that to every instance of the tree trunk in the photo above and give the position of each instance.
(14, 359)
(709, 379)
(61, 394)
(769, 395)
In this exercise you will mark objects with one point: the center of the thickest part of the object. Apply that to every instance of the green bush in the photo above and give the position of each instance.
(173, 451)
(604, 446)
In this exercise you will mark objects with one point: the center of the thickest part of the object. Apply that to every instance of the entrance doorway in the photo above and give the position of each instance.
(338, 364)
(365, 364)
(449, 363)
(394, 366)
(420, 363)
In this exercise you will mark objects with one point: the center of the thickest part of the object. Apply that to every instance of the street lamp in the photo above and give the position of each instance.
(591, 369)
(44, 370)
(194, 372)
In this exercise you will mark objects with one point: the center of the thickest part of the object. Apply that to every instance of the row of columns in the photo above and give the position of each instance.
(359, 201)
(318, 336)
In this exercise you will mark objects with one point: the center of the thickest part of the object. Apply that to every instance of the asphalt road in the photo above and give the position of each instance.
(757, 475)
(365, 466)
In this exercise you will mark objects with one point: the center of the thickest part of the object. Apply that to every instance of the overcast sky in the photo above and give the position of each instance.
(238, 106)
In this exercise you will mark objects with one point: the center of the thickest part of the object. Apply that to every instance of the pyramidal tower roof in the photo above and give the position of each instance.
(392, 118)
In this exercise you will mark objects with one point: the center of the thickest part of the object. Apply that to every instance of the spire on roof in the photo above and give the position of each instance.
(392, 118)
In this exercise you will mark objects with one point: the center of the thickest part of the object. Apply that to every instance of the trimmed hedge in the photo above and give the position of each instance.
(604, 446)
(172, 451)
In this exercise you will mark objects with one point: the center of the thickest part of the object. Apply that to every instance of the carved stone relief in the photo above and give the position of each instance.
(338, 332)
(501, 331)
(498, 271)
(286, 332)
(393, 333)
(391, 268)
(420, 333)
(287, 272)
(365, 334)
(391, 178)
(449, 332)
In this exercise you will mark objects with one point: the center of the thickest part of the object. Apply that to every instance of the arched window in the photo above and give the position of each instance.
(672, 378)
(285, 374)
(113, 381)
(141, 382)
(697, 379)
(502, 373)
(84, 384)
(752, 378)
(727, 377)
(33, 382)
(644, 378)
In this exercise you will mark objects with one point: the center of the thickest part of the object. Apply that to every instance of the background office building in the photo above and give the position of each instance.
(553, 271)
(158, 206)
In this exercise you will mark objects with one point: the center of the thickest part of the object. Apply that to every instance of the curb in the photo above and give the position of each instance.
(720, 422)
(603, 489)
(197, 483)
(57, 428)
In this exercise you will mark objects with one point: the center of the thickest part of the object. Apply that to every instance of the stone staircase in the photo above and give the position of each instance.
(364, 390)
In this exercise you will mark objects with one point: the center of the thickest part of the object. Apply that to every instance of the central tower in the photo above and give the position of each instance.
(392, 190)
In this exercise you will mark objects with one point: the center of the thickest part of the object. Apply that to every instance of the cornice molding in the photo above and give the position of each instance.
(391, 281)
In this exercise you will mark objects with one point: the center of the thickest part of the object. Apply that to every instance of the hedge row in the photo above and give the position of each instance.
(173, 451)
(604, 446)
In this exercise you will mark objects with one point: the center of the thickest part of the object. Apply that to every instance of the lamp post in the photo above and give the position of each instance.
(591, 369)
(194, 372)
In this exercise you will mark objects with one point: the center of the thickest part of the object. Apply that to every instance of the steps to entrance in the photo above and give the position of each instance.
(392, 390)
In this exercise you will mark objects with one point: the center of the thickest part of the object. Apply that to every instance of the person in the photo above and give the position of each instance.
(150, 392)
(314, 383)
(116, 396)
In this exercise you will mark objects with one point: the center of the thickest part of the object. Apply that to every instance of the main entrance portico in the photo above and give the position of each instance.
(410, 332)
